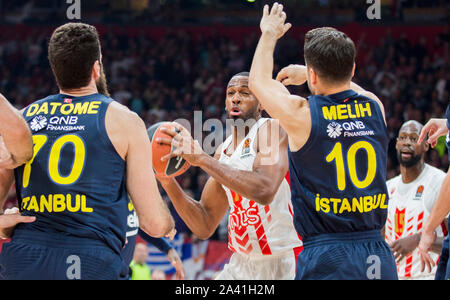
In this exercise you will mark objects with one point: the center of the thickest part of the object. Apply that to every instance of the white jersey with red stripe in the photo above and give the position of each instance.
(254, 229)
(409, 207)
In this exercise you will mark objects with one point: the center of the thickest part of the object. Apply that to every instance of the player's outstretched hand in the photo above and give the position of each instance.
(435, 128)
(426, 240)
(182, 145)
(10, 219)
(292, 75)
(273, 22)
(176, 262)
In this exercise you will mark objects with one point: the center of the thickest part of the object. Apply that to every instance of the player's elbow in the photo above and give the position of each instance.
(24, 151)
(204, 234)
(157, 228)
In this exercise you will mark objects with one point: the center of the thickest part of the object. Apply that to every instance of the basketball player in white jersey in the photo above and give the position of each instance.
(412, 195)
(245, 179)
(16, 146)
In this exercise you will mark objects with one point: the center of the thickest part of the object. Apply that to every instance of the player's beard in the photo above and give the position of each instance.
(102, 85)
(414, 160)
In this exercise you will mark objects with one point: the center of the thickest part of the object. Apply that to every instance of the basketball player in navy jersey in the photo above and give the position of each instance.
(90, 153)
(434, 129)
(337, 153)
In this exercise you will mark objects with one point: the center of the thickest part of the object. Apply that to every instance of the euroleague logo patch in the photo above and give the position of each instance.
(246, 148)
(419, 192)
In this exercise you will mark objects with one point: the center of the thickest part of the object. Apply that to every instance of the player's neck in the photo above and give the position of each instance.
(409, 174)
(240, 132)
(84, 91)
(330, 90)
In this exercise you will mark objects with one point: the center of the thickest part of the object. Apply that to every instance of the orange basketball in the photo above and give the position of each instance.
(172, 167)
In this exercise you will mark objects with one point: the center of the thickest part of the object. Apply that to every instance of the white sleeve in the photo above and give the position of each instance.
(432, 197)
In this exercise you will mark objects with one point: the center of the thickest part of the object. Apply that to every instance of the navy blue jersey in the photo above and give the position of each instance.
(75, 183)
(338, 178)
(133, 231)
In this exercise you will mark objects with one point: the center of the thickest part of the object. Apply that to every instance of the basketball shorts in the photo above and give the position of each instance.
(41, 256)
(279, 266)
(443, 268)
(346, 256)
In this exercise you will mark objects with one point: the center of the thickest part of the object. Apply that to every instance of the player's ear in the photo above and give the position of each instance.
(312, 76)
(96, 70)
(353, 71)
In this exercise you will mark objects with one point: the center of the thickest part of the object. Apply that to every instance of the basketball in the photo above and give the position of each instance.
(172, 167)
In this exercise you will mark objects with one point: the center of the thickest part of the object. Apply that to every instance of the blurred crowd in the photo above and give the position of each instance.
(170, 77)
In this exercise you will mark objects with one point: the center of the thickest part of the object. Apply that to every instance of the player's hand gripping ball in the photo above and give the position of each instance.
(173, 167)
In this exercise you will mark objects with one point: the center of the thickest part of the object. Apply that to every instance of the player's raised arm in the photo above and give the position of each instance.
(16, 136)
(128, 134)
(291, 110)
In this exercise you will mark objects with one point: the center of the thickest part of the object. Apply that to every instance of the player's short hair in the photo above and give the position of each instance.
(243, 74)
(330, 53)
(72, 52)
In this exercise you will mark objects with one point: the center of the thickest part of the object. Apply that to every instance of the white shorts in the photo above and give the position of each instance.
(270, 267)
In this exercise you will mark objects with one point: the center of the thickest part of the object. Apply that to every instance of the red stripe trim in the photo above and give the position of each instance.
(408, 266)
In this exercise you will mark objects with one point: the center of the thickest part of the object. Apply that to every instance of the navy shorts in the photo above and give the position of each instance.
(43, 256)
(346, 256)
(443, 270)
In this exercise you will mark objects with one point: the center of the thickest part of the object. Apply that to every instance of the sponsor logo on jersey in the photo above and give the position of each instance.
(348, 129)
(38, 123)
(64, 123)
(334, 130)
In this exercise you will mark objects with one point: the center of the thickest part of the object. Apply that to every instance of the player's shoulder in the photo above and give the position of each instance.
(121, 113)
(434, 174)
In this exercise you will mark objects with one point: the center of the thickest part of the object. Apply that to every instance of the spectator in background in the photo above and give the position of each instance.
(139, 267)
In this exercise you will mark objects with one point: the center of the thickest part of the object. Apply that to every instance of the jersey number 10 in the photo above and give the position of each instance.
(53, 162)
(337, 156)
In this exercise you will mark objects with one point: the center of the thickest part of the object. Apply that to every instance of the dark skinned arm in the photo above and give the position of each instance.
(269, 169)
